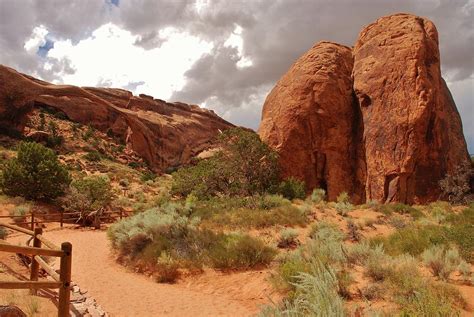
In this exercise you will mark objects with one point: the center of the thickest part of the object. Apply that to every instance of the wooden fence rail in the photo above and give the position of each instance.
(43, 247)
(63, 217)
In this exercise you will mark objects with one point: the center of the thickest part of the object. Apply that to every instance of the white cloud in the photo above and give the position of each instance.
(37, 39)
(236, 40)
(110, 56)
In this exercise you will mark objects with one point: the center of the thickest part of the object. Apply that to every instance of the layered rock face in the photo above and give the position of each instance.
(164, 134)
(309, 118)
(395, 140)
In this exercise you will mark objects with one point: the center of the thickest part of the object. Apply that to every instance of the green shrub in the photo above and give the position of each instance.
(240, 252)
(343, 205)
(316, 294)
(19, 213)
(441, 261)
(35, 173)
(145, 237)
(3, 233)
(93, 156)
(465, 270)
(271, 201)
(148, 176)
(166, 269)
(325, 231)
(88, 196)
(456, 185)
(412, 240)
(318, 195)
(292, 188)
(243, 167)
(288, 238)
(400, 208)
(88, 134)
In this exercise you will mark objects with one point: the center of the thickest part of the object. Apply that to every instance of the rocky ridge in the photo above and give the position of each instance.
(164, 134)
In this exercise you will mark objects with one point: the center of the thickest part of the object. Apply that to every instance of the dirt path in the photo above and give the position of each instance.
(124, 293)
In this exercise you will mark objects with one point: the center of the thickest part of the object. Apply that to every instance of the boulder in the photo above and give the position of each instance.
(311, 119)
(378, 122)
(412, 129)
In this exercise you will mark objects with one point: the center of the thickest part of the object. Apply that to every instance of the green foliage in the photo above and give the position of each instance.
(237, 251)
(3, 233)
(169, 230)
(400, 208)
(315, 295)
(292, 188)
(244, 166)
(19, 213)
(88, 134)
(343, 205)
(456, 185)
(318, 195)
(93, 156)
(441, 261)
(35, 173)
(288, 238)
(88, 194)
(148, 176)
(412, 240)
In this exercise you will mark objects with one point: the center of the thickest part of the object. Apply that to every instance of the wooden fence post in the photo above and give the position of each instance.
(62, 218)
(34, 263)
(121, 213)
(65, 278)
(32, 220)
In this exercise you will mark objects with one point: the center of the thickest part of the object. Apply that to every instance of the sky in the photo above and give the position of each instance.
(225, 55)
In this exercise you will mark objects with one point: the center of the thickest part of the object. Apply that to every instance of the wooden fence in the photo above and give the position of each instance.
(33, 218)
(43, 247)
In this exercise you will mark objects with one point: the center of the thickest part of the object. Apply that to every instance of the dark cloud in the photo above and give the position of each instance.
(275, 33)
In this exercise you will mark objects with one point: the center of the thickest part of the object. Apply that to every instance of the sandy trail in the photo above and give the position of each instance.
(124, 293)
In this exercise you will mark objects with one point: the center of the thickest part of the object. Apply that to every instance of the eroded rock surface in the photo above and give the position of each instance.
(412, 130)
(389, 133)
(164, 134)
(312, 120)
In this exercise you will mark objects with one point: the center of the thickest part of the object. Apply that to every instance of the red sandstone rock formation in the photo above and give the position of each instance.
(410, 135)
(412, 130)
(164, 134)
(310, 117)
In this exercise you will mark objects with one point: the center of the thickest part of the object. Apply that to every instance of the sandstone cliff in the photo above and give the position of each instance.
(164, 134)
(394, 141)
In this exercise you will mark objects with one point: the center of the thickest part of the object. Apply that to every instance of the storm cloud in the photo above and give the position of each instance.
(234, 76)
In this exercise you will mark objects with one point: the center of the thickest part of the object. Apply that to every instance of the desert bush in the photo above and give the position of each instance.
(244, 166)
(358, 253)
(93, 156)
(465, 270)
(441, 261)
(412, 240)
(88, 134)
(456, 185)
(326, 231)
(343, 205)
(292, 188)
(400, 208)
(318, 195)
(271, 201)
(3, 233)
(316, 294)
(148, 176)
(19, 213)
(373, 291)
(398, 221)
(35, 173)
(353, 233)
(288, 238)
(166, 269)
(237, 251)
(168, 229)
(88, 196)
(257, 218)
